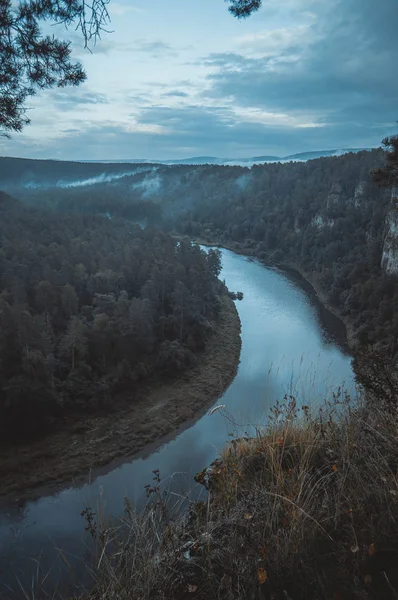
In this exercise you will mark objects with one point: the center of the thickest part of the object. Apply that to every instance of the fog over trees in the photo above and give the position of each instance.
(326, 217)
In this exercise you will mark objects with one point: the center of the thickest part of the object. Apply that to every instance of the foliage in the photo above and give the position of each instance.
(324, 217)
(90, 308)
(387, 176)
(244, 8)
(31, 60)
(305, 510)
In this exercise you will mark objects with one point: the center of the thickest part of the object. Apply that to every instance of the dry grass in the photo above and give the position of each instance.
(307, 509)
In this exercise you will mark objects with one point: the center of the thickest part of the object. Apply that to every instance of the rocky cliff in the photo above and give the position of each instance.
(389, 260)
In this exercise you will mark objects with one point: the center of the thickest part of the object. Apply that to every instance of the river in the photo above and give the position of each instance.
(290, 345)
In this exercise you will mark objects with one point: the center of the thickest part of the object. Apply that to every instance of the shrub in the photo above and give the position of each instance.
(306, 509)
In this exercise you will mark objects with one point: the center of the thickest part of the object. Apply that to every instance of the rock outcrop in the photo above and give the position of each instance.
(359, 193)
(320, 223)
(334, 195)
(389, 259)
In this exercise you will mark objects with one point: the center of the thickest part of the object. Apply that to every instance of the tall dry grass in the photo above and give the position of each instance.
(306, 509)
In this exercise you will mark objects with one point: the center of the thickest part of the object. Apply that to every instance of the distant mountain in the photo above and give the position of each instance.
(30, 173)
(249, 161)
(196, 160)
(321, 154)
(263, 159)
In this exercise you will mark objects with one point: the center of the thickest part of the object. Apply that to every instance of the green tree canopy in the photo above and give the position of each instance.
(387, 176)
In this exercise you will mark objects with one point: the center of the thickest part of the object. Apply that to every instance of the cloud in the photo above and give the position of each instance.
(121, 10)
(343, 76)
(299, 75)
(175, 94)
(154, 48)
(67, 101)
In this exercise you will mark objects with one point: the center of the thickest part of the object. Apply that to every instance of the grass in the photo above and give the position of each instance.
(305, 509)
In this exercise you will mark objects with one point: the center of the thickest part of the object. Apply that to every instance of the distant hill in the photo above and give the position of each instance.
(322, 153)
(30, 173)
(249, 161)
(7, 202)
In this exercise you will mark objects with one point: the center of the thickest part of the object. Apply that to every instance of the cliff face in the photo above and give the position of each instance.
(389, 260)
(334, 195)
(359, 193)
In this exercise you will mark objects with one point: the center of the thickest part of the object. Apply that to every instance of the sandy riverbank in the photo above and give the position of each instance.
(88, 443)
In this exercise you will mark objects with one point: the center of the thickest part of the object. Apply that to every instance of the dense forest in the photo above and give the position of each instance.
(325, 217)
(91, 307)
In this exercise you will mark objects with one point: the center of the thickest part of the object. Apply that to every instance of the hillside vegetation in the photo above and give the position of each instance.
(90, 308)
(324, 217)
(306, 510)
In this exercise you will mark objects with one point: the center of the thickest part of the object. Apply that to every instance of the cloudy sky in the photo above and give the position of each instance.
(181, 78)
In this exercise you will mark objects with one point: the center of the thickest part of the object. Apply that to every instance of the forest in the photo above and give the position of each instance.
(90, 308)
(324, 217)
(103, 291)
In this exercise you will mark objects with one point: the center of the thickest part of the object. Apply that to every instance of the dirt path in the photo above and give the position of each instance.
(67, 457)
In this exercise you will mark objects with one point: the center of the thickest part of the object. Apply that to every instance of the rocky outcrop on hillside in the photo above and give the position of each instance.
(359, 193)
(389, 260)
(334, 195)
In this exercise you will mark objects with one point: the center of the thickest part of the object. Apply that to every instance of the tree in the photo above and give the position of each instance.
(243, 8)
(31, 60)
(70, 301)
(214, 261)
(45, 298)
(74, 343)
(387, 176)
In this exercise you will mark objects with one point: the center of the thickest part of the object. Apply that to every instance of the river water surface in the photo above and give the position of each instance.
(290, 345)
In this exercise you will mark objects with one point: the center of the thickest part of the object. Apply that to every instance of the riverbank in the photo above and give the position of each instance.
(305, 280)
(306, 509)
(75, 453)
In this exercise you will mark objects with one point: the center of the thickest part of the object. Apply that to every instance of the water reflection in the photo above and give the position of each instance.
(287, 348)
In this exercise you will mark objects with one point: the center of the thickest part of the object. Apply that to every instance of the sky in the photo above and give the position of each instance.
(183, 78)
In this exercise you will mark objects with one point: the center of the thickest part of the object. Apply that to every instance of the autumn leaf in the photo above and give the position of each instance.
(192, 588)
(263, 552)
(262, 576)
(334, 468)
